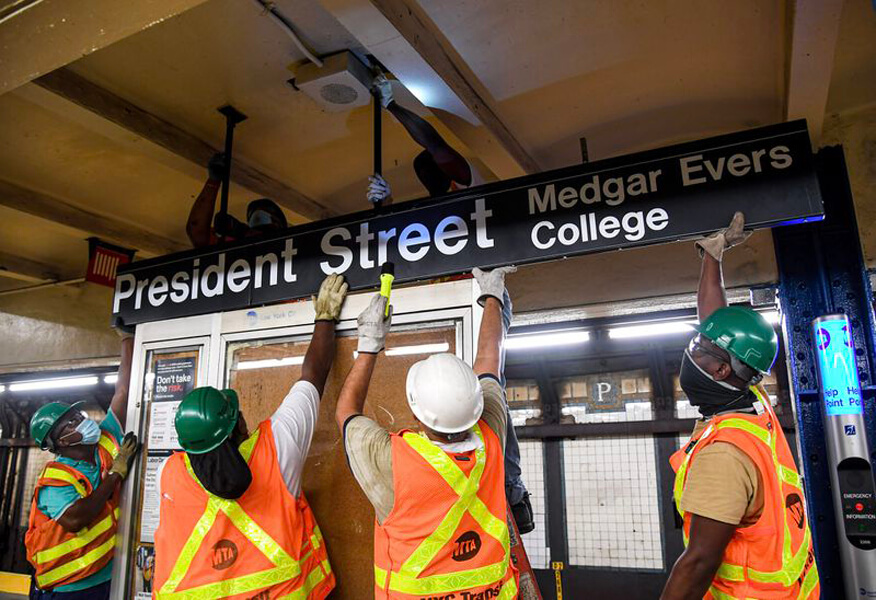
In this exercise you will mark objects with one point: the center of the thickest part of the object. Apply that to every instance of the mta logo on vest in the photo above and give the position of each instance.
(224, 554)
(467, 546)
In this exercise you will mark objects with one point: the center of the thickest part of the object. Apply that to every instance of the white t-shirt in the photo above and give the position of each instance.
(293, 424)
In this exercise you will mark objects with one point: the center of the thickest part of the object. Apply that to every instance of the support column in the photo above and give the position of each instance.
(821, 271)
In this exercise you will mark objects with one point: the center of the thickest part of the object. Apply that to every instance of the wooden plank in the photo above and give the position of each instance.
(52, 209)
(49, 34)
(104, 103)
(423, 35)
(814, 33)
(23, 269)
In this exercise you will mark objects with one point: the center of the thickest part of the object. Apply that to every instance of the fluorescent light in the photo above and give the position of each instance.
(649, 330)
(772, 316)
(421, 93)
(419, 349)
(544, 340)
(2, 388)
(111, 378)
(50, 384)
(270, 362)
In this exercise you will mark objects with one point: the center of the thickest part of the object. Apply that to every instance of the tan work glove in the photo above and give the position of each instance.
(125, 458)
(734, 235)
(332, 292)
(373, 325)
(492, 283)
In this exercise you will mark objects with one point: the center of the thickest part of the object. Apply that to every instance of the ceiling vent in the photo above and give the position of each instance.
(341, 83)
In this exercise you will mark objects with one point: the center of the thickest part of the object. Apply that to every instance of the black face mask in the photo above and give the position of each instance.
(223, 472)
(709, 396)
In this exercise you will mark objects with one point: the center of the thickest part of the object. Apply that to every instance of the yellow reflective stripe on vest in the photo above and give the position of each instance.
(66, 477)
(314, 578)
(809, 583)
(285, 567)
(792, 567)
(407, 579)
(731, 572)
(83, 538)
(108, 444)
(92, 556)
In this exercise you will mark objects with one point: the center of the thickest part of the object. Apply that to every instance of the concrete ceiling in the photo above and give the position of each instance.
(626, 74)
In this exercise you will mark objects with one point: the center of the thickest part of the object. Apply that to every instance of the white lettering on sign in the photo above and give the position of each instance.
(589, 228)
(613, 191)
(697, 169)
(602, 388)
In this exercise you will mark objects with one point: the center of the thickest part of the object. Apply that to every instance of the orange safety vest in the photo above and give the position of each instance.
(447, 531)
(773, 558)
(265, 544)
(58, 556)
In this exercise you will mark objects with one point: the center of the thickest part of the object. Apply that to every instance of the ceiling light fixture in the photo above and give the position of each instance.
(111, 378)
(546, 340)
(52, 384)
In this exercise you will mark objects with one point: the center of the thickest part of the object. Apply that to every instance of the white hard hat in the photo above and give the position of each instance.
(444, 394)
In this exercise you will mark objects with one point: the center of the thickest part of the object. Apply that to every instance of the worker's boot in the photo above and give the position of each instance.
(522, 512)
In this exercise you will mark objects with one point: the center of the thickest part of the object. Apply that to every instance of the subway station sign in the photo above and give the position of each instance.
(661, 195)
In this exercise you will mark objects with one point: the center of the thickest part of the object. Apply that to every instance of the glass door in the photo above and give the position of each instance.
(263, 369)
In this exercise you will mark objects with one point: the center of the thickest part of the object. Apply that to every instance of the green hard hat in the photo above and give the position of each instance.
(205, 418)
(744, 334)
(44, 420)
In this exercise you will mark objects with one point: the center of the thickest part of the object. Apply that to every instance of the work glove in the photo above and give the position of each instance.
(378, 189)
(216, 167)
(124, 331)
(734, 235)
(492, 283)
(383, 88)
(332, 292)
(125, 458)
(374, 325)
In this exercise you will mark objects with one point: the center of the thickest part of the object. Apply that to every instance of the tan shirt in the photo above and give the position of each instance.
(723, 484)
(369, 449)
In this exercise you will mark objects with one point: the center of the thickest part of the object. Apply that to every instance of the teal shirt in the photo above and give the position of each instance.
(54, 500)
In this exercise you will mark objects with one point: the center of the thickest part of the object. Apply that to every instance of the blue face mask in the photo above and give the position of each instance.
(89, 430)
(260, 218)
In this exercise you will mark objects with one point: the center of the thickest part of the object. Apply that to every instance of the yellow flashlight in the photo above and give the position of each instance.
(387, 276)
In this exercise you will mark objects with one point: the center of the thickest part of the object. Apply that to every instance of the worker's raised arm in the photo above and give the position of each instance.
(200, 223)
(321, 352)
(373, 326)
(492, 334)
(451, 162)
(710, 293)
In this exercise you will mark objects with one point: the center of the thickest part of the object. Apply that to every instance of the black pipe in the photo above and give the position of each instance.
(232, 118)
(378, 139)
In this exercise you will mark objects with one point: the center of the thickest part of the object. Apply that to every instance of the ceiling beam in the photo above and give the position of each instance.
(92, 97)
(415, 26)
(24, 269)
(43, 36)
(814, 33)
(58, 211)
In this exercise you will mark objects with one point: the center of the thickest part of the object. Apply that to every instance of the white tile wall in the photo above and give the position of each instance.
(633, 411)
(532, 465)
(612, 510)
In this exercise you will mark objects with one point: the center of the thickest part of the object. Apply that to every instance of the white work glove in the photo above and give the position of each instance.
(327, 305)
(378, 189)
(127, 453)
(716, 243)
(374, 325)
(492, 283)
(382, 86)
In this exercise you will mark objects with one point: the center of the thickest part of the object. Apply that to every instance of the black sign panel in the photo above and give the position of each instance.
(645, 198)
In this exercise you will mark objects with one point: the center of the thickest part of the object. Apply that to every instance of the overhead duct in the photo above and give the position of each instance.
(342, 83)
